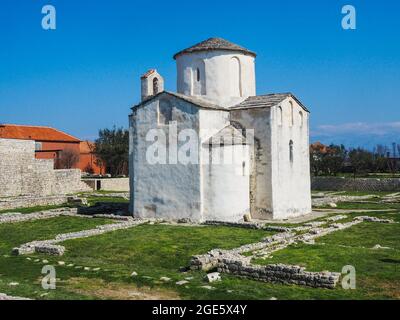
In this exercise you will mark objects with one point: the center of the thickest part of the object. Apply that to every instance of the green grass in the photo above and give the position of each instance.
(367, 205)
(150, 250)
(93, 200)
(377, 271)
(27, 273)
(159, 250)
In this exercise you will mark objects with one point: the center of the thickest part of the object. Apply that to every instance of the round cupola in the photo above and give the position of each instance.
(216, 70)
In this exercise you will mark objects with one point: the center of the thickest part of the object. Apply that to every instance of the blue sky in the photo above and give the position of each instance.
(85, 74)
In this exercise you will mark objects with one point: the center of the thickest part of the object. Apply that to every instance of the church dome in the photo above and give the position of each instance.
(215, 44)
(216, 70)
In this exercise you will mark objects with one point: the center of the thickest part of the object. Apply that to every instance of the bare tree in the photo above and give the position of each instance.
(68, 159)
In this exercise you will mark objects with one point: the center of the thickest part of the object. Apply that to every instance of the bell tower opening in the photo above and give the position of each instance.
(152, 83)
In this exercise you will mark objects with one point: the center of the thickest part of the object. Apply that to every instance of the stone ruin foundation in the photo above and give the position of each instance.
(235, 263)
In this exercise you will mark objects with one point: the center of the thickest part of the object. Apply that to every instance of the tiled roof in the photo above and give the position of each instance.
(215, 44)
(12, 131)
(265, 101)
(194, 100)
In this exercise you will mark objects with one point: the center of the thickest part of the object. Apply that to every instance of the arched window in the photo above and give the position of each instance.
(301, 119)
(155, 86)
(279, 116)
(235, 77)
(291, 113)
(291, 151)
(198, 81)
(164, 112)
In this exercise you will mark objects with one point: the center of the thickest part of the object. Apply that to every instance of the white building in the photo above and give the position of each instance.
(216, 109)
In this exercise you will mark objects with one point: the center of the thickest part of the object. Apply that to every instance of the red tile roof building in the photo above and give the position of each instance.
(51, 143)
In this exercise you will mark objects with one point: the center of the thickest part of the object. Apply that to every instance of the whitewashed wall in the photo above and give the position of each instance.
(220, 76)
(290, 180)
(169, 191)
(261, 175)
(226, 186)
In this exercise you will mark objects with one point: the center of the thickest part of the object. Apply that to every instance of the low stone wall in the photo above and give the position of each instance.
(234, 263)
(4, 296)
(108, 184)
(47, 214)
(68, 181)
(357, 184)
(14, 217)
(247, 225)
(280, 273)
(31, 201)
(52, 247)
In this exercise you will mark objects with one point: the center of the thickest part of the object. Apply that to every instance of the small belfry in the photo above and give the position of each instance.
(152, 83)
(214, 113)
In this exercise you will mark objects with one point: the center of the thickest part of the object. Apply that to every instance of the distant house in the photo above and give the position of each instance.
(319, 147)
(51, 143)
(88, 161)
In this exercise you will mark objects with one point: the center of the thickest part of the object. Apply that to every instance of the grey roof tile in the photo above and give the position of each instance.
(265, 101)
(253, 102)
(194, 100)
(215, 44)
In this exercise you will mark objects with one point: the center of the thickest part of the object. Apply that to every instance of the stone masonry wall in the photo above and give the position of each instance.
(108, 184)
(357, 184)
(21, 174)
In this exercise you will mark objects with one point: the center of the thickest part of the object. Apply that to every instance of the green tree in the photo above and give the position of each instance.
(361, 160)
(112, 147)
(327, 160)
(333, 160)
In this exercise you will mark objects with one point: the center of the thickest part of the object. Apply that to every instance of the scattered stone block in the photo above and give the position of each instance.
(13, 284)
(213, 276)
(247, 217)
(208, 287)
(165, 279)
(378, 246)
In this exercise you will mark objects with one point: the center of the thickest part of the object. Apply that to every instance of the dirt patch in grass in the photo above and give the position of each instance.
(389, 287)
(98, 288)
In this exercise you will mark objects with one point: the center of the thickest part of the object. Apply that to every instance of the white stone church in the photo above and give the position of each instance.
(216, 109)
